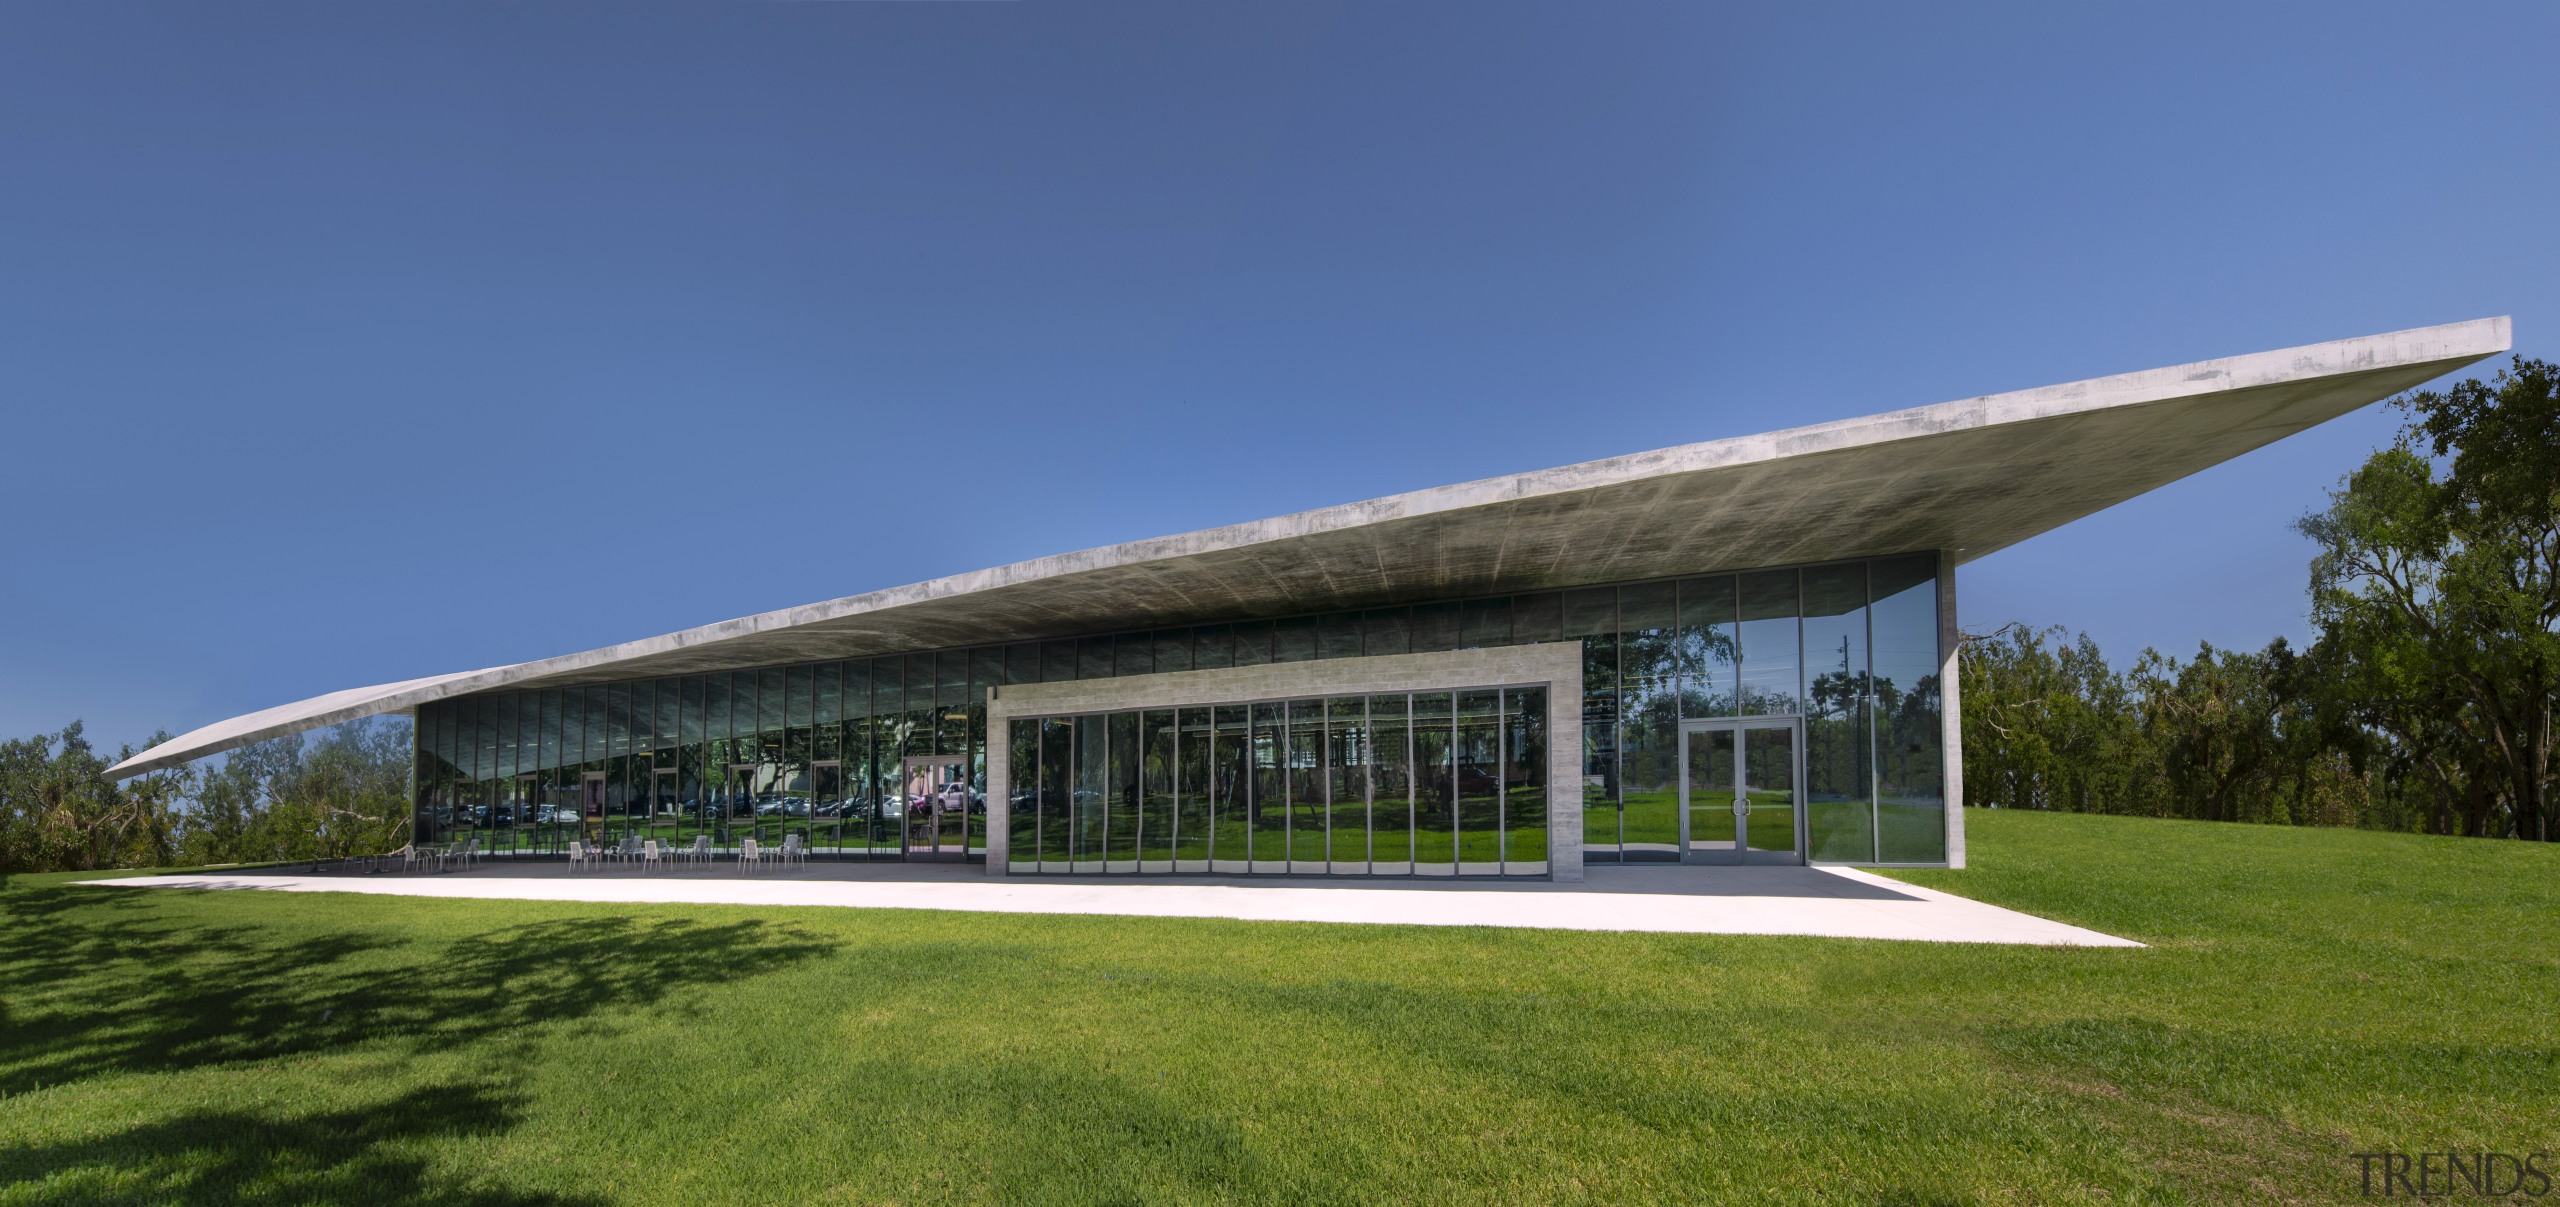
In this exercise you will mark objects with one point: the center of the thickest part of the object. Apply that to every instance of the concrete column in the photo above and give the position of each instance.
(1951, 706)
(999, 785)
(1564, 769)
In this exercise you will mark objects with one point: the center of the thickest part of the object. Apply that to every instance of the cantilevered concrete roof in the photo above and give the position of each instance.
(1969, 477)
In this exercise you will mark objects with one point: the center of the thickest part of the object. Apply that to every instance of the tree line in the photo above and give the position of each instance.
(2424, 701)
(339, 792)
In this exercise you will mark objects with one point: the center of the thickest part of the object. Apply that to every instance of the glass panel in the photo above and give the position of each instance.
(1270, 791)
(1230, 779)
(1911, 822)
(1382, 631)
(1536, 618)
(799, 744)
(1191, 803)
(1434, 627)
(1173, 650)
(1599, 792)
(1435, 793)
(1484, 623)
(548, 718)
(1340, 635)
(1092, 786)
(1057, 794)
(1155, 791)
(1711, 818)
(1390, 787)
(1057, 661)
(1134, 654)
(1524, 781)
(1120, 826)
(826, 801)
(1022, 662)
(1307, 802)
(1294, 640)
(1839, 812)
(1769, 790)
(1707, 652)
(1646, 644)
(922, 736)
(1253, 643)
(1648, 751)
(1022, 797)
(1769, 643)
(1093, 658)
(1479, 768)
(1347, 783)
(986, 668)
(693, 760)
(864, 823)
(1213, 647)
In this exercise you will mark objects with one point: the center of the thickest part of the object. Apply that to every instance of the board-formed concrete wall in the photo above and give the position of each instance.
(1556, 665)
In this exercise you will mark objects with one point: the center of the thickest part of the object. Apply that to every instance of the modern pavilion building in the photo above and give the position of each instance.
(1739, 651)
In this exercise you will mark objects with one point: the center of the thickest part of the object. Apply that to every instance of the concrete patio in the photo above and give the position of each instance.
(1823, 902)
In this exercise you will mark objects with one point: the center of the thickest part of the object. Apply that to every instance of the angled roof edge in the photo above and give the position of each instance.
(2454, 342)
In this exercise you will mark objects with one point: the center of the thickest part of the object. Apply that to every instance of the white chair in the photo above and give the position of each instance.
(700, 851)
(749, 856)
(648, 855)
(462, 853)
(792, 850)
(579, 856)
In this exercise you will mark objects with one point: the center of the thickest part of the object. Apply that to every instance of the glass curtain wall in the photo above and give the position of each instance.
(817, 751)
(1432, 783)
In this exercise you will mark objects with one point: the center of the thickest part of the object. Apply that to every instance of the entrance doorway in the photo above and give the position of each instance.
(933, 803)
(1741, 799)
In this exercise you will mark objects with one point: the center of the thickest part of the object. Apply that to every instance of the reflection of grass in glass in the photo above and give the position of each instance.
(1840, 831)
(1653, 818)
(1771, 825)
(1436, 847)
(1228, 833)
(1307, 834)
(1599, 821)
(550, 1052)
(1913, 833)
(1350, 835)
(1524, 820)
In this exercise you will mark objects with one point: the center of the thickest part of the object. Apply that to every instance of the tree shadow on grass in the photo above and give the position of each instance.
(105, 983)
(369, 1154)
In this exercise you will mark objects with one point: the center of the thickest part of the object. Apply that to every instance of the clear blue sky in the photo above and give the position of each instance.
(348, 343)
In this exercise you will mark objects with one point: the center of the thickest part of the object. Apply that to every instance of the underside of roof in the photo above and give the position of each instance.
(1968, 477)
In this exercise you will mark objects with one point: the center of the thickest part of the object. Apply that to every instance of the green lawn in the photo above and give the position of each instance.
(2309, 994)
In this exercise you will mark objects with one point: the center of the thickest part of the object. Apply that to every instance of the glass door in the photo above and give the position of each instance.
(934, 800)
(1739, 798)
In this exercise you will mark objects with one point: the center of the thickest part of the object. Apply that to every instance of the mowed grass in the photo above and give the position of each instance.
(2309, 994)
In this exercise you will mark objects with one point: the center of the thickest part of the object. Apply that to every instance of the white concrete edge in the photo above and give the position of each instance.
(1930, 917)
(2453, 342)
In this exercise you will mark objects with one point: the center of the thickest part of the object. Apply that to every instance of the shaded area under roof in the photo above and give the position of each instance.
(1969, 477)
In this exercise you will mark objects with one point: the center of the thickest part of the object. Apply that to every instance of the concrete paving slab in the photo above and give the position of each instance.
(1823, 902)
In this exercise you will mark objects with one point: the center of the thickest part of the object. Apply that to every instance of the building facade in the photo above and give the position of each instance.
(1811, 694)
(1741, 651)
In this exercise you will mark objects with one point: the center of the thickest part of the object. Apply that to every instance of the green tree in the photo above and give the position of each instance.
(2436, 598)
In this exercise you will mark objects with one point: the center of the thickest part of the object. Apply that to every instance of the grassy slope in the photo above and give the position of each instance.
(2311, 993)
